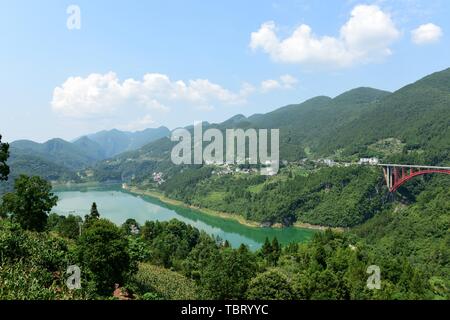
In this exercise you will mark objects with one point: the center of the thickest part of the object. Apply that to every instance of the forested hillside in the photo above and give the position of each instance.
(417, 115)
(57, 151)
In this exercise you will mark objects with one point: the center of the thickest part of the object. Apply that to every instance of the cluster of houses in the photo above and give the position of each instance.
(369, 161)
(362, 161)
(158, 178)
(226, 168)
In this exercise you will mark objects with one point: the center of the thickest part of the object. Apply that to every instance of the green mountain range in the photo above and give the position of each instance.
(114, 142)
(60, 160)
(409, 125)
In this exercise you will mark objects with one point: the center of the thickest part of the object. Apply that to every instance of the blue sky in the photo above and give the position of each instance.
(137, 64)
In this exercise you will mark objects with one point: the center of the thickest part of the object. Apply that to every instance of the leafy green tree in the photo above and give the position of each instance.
(4, 154)
(70, 226)
(200, 256)
(30, 202)
(228, 273)
(270, 285)
(53, 221)
(103, 253)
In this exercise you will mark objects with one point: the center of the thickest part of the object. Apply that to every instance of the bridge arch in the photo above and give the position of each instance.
(397, 175)
(405, 179)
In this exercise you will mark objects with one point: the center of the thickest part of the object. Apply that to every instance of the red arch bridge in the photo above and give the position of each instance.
(398, 174)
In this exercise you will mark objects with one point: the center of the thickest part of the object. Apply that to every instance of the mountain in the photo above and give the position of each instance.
(84, 151)
(56, 151)
(406, 126)
(90, 147)
(418, 115)
(32, 165)
(114, 142)
(60, 160)
(301, 125)
(410, 125)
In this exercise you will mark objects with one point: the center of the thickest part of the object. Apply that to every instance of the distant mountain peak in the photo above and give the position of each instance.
(237, 118)
(362, 95)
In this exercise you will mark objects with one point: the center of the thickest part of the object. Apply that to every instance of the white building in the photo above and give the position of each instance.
(369, 161)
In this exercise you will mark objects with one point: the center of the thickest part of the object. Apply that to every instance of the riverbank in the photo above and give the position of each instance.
(62, 185)
(159, 196)
(224, 215)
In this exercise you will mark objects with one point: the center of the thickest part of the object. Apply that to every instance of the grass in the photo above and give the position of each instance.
(388, 146)
(166, 284)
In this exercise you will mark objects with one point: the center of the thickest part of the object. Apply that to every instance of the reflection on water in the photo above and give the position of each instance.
(117, 206)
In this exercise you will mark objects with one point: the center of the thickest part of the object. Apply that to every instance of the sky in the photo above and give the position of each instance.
(69, 68)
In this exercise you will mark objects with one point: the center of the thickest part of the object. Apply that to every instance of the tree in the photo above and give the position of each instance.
(4, 154)
(70, 226)
(131, 227)
(227, 274)
(271, 251)
(276, 251)
(266, 249)
(30, 202)
(94, 215)
(94, 212)
(103, 253)
(270, 285)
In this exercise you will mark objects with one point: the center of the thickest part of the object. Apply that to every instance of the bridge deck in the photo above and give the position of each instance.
(413, 166)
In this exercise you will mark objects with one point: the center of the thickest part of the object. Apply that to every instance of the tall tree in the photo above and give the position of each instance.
(276, 251)
(30, 202)
(266, 249)
(94, 215)
(94, 211)
(102, 250)
(4, 154)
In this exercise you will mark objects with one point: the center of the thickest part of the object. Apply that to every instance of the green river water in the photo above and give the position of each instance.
(117, 205)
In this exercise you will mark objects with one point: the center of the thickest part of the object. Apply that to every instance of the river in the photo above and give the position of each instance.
(117, 206)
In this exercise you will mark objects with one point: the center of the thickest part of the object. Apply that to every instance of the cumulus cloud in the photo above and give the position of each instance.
(365, 37)
(139, 124)
(426, 34)
(288, 81)
(269, 85)
(285, 82)
(103, 94)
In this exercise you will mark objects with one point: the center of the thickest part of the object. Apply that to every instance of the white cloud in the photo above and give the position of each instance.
(139, 124)
(364, 38)
(426, 34)
(269, 85)
(288, 81)
(105, 94)
(285, 82)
